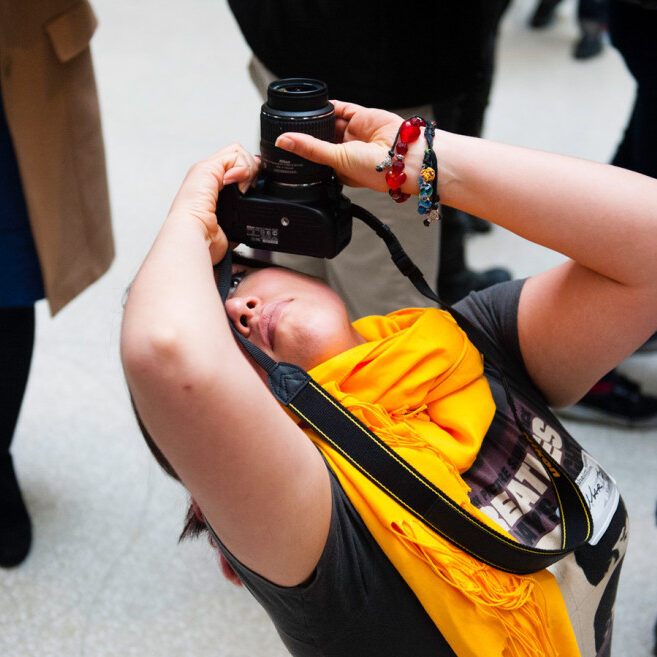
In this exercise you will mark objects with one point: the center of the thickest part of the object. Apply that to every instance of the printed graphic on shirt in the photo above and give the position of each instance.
(510, 485)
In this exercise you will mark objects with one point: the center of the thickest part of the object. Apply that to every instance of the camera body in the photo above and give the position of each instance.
(296, 206)
(319, 227)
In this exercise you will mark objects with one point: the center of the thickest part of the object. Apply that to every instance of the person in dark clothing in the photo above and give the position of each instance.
(370, 65)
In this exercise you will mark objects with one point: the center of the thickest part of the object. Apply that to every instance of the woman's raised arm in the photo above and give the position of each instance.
(253, 472)
(578, 320)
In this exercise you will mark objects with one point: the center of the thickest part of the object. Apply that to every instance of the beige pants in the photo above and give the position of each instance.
(363, 274)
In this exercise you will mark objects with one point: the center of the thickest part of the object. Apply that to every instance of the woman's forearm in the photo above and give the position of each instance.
(600, 216)
(603, 217)
(173, 311)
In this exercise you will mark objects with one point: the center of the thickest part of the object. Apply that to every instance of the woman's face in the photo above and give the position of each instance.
(292, 317)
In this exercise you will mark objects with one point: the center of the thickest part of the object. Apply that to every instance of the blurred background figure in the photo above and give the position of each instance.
(442, 67)
(592, 16)
(633, 31)
(55, 232)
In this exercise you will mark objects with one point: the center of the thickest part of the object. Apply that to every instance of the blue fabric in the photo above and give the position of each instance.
(21, 283)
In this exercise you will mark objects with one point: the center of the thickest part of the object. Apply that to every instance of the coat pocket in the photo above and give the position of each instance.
(71, 32)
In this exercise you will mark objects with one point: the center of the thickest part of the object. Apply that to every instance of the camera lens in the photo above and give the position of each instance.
(295, 105)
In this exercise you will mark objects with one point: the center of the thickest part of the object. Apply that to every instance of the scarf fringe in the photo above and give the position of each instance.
(505, 597)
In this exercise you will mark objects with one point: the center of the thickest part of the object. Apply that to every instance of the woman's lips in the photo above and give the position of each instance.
(269, 319)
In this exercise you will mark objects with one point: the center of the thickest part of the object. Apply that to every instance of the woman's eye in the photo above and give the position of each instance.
(236, 279)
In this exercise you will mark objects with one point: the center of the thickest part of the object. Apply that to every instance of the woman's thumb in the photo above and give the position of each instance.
(316, 150)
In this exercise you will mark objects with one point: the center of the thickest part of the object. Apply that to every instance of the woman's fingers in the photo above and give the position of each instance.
(345, 110)
(233, 164)
(243, 171)
(354, 161)
(200, 189)
(341, 126)
(342, 158)
(198, 194)
(240, 174)
(311, 148)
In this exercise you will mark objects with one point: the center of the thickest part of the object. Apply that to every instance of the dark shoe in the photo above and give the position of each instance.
(617, 401)
(459, 285)
(589, 45)
(478, 225)
(15, 527)
(543, 14)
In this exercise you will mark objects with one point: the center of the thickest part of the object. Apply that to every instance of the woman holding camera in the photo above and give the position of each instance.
(339, 569)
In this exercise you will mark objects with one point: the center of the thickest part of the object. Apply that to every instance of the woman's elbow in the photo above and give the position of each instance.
(152, 354)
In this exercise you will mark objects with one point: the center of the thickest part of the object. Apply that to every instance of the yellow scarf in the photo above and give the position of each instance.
(418, 384)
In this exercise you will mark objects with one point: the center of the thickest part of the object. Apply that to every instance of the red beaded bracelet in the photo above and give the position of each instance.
(408, 132)
(429, 199)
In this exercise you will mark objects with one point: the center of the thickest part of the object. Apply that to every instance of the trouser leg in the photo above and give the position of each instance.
(632, 29)
(463, 114)
(16, 344)
(644, 155)
(625, 153)
(593, 11)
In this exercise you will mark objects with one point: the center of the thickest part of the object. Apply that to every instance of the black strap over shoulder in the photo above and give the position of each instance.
(296, 390)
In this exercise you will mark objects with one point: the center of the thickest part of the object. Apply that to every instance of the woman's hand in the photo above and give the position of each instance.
(197, 197)
(364, 138)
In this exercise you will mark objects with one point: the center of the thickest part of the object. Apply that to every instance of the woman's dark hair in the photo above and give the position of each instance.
(194, 525)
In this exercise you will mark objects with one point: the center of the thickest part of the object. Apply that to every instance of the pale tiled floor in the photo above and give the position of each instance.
(105, 576)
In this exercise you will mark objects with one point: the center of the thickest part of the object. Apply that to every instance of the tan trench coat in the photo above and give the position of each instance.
(49, 95)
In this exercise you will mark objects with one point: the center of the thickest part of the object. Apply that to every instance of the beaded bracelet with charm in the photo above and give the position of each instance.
(429, 200)
(408, 132)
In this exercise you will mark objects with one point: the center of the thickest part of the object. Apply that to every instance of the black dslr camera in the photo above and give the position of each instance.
(296, 206)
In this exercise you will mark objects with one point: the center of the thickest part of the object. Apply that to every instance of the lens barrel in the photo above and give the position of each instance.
(295, 105)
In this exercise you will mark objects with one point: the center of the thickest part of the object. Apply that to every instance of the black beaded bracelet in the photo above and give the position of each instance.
(429, 200)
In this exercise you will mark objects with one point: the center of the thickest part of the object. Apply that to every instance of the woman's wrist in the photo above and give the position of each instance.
(422, 165)
(413, 163)
(443, 144)
(182, 221)
(190, 227)
(192, 222)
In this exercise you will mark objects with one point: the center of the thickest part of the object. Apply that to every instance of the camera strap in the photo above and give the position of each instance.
(295, 389)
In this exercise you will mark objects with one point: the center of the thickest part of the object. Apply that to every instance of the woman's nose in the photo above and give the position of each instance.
(242, 311)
